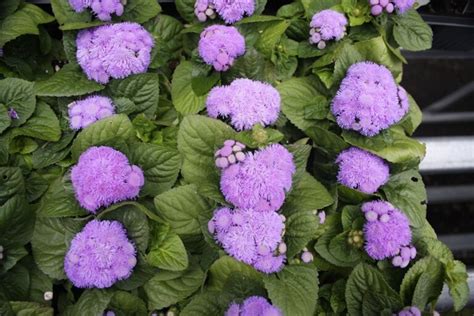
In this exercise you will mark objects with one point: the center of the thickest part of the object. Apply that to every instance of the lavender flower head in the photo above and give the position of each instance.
(85, 112)
(250, 236)
(386, 230)
(361, 170)
(100, 255)
(253, 306)
(409, 311)
(102, 8)
(114, 51)
(104, 176)
(261, 180)
(230, 11)
(327, 25)
(368, 99)
(220, 45)
(245, 102)
(377, 7)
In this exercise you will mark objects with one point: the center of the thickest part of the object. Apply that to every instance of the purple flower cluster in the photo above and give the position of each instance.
(102, 8)
(368, 99)
(85, 112)
(261, 180)
(230, 11)
(361, 170)
(250, 236)
(104, 176)
(327, 25)
(409, 311)
(386, 231)
(230, 154)
(246, 102)
(378, 6)
(404, 256)
(253, 306)
(100, 255)
(114, 51)
(220, 45)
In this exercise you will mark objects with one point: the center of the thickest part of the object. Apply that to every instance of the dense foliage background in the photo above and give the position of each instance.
(162, 126)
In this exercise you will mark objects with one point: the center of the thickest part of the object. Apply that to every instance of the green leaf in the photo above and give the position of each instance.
(204, 82)
(59, 200)
(185, 9)
(164, 290)
(128, 304)
(407, 192)
(294, 290)
(7, 7)
(413, 118)
(160, 164)
(51, 153)
(14, 255)
(167, 250)
(181, 208)
(23, 21)
(185, 100)
(19, 95)
(17, 221)
(5, 120)
(42, 125)
(311, 7)
(11, 183)
(364, 280)
(411, 32)
(270, 35)
(113, 127)
(226, 266)
(198, 139)
(307, 195)
(298, 96)
(50, 243)
(207, 303)
(259, 136)
(15, 283)
(423, 282)
(31, 309)
(300, 228)
(64, 13)
(456, 278)
(69, 81)
(92, 302)
(142, 89)
(140, 11)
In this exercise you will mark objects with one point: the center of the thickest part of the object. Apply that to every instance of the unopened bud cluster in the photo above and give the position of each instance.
(356, 238)
(405, 255)
(231, 153)
(306, 256)
(204, 10)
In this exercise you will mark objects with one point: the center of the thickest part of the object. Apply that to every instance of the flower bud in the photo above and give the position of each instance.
(307, 257)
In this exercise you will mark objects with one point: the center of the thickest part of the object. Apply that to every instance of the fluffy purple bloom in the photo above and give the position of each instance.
(245, 102)
(253, 306)
(100, 255)
(409, 311)
(114, 51)
(261, 180)
(85, 112)
(104, 176)
(220, 45)
(327, 25)
(368, 100)
(386, 230)
(102, 8)
(361, 170)
(230, 11)
(250, 236)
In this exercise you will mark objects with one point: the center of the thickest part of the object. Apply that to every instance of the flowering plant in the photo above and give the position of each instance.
(231, 161)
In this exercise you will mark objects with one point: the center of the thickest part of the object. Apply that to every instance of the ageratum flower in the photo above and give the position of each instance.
(378, 6)
(368, 100)
(102, 8)
(410, 311)
(250, 236)
(387, 229)
(104, 176)
(245, 102)
(100, 255)
(361, 170)
(253, 306)
(327, 25)
(230, 11)
(85, 112)
(261, 180)
(114, 51)
(220, 45)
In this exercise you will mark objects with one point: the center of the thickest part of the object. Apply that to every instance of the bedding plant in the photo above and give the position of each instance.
(227, 161)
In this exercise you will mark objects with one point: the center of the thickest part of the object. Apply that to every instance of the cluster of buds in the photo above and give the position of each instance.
(231, 153)
(378, 6)
(356, 238)
(372, 216)
(109, 313)
(13, 114)
(404, 256)
(204, 10)
(306, 256)
(410, 311)
(315, 38)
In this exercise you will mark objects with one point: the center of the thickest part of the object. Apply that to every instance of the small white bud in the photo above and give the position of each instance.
(48, 296)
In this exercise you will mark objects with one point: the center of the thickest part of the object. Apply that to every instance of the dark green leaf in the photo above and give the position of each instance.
(17, 221)
(19, 95)
(411, 32)
(167, 250)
